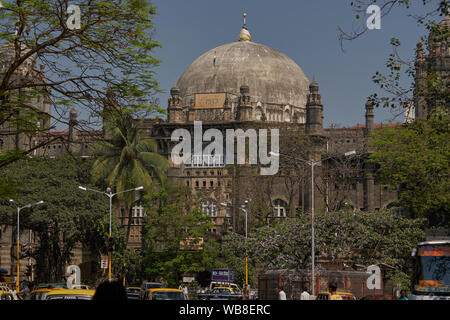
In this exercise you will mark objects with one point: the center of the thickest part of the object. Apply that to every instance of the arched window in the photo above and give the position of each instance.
(258, 114)
(279, 208)
(287, 114)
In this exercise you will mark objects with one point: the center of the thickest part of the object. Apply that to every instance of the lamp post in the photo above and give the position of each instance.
(110, 194)
(18, 236)
(312, 164)
(243, 208)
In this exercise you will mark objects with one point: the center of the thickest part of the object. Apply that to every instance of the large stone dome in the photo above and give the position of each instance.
(272, 77)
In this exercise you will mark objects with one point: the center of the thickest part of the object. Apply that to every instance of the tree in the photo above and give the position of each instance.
(397, 96)
(175, 234)
(84, 50)
(364, 238)
(359, 7)
(416, 158)
(125, 160)
(66, 216)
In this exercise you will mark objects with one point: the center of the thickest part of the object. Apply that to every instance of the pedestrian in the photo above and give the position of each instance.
(110, 290)
(281, 294)
(305, 294)
(27, 291)
(402, 295)
(333, 295)
(185, 291)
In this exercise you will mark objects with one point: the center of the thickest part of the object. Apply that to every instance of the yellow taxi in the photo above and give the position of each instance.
(40, 294)
(164, 294)
(325, 295)
(70, 294)
(224, 290)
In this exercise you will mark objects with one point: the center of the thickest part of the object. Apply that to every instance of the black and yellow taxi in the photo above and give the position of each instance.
(70, 294)
(325, 295)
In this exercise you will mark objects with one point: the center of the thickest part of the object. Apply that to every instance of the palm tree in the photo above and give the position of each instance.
(125, 160)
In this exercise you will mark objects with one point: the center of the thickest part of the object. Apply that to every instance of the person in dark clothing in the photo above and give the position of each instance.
(110, 290)
(402, 295)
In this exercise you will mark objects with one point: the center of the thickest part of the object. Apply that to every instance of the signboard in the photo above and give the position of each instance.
(222, 275)
(104, 263)
(191, 244)
(209, 100)
(188, 279)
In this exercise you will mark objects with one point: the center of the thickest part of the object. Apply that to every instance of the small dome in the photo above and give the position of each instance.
(272, 77)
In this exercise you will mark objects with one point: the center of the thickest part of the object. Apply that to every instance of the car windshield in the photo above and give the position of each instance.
(167, 295)
(433, 269)
(153, 285)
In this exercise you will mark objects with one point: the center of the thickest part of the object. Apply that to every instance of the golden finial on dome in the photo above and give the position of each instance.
(244, 35)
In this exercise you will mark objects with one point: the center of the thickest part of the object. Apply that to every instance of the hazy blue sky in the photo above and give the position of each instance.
(306, 31)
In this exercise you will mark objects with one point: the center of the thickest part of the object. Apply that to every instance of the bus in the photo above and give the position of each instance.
(431, 268)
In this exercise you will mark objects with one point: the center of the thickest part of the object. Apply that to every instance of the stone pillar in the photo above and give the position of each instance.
(369, 118)
(420, 102)
(73, 131)
(245, 110)
(369, 187)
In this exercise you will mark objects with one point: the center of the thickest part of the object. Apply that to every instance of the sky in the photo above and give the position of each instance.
(304, 30)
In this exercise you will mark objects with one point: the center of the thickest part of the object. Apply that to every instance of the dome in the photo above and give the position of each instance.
(272, 77)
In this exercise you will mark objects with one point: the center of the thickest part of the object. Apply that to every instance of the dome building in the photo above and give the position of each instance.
(277, 86)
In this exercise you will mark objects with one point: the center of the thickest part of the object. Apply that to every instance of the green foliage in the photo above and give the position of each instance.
(416, 158)
(126, 161)
(173, 217)
(112, 51)
(364, 238)
(67, 216)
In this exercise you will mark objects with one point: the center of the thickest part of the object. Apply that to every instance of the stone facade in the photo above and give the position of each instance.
(437, 64)
(248, 86)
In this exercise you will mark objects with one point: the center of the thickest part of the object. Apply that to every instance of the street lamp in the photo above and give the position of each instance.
(18, 238)
(243, 208)
(312, 164)
(110, 195)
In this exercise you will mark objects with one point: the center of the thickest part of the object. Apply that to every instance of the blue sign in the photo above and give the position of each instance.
(222, 275)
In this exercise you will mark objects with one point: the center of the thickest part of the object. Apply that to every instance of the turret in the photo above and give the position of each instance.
(244, 110)
(73, 131)
(175, 108)
(369, 118)
(314, 110)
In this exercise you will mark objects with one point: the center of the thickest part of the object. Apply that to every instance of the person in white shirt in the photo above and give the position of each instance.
(305, 294)
(281, 294)
(185, 291)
